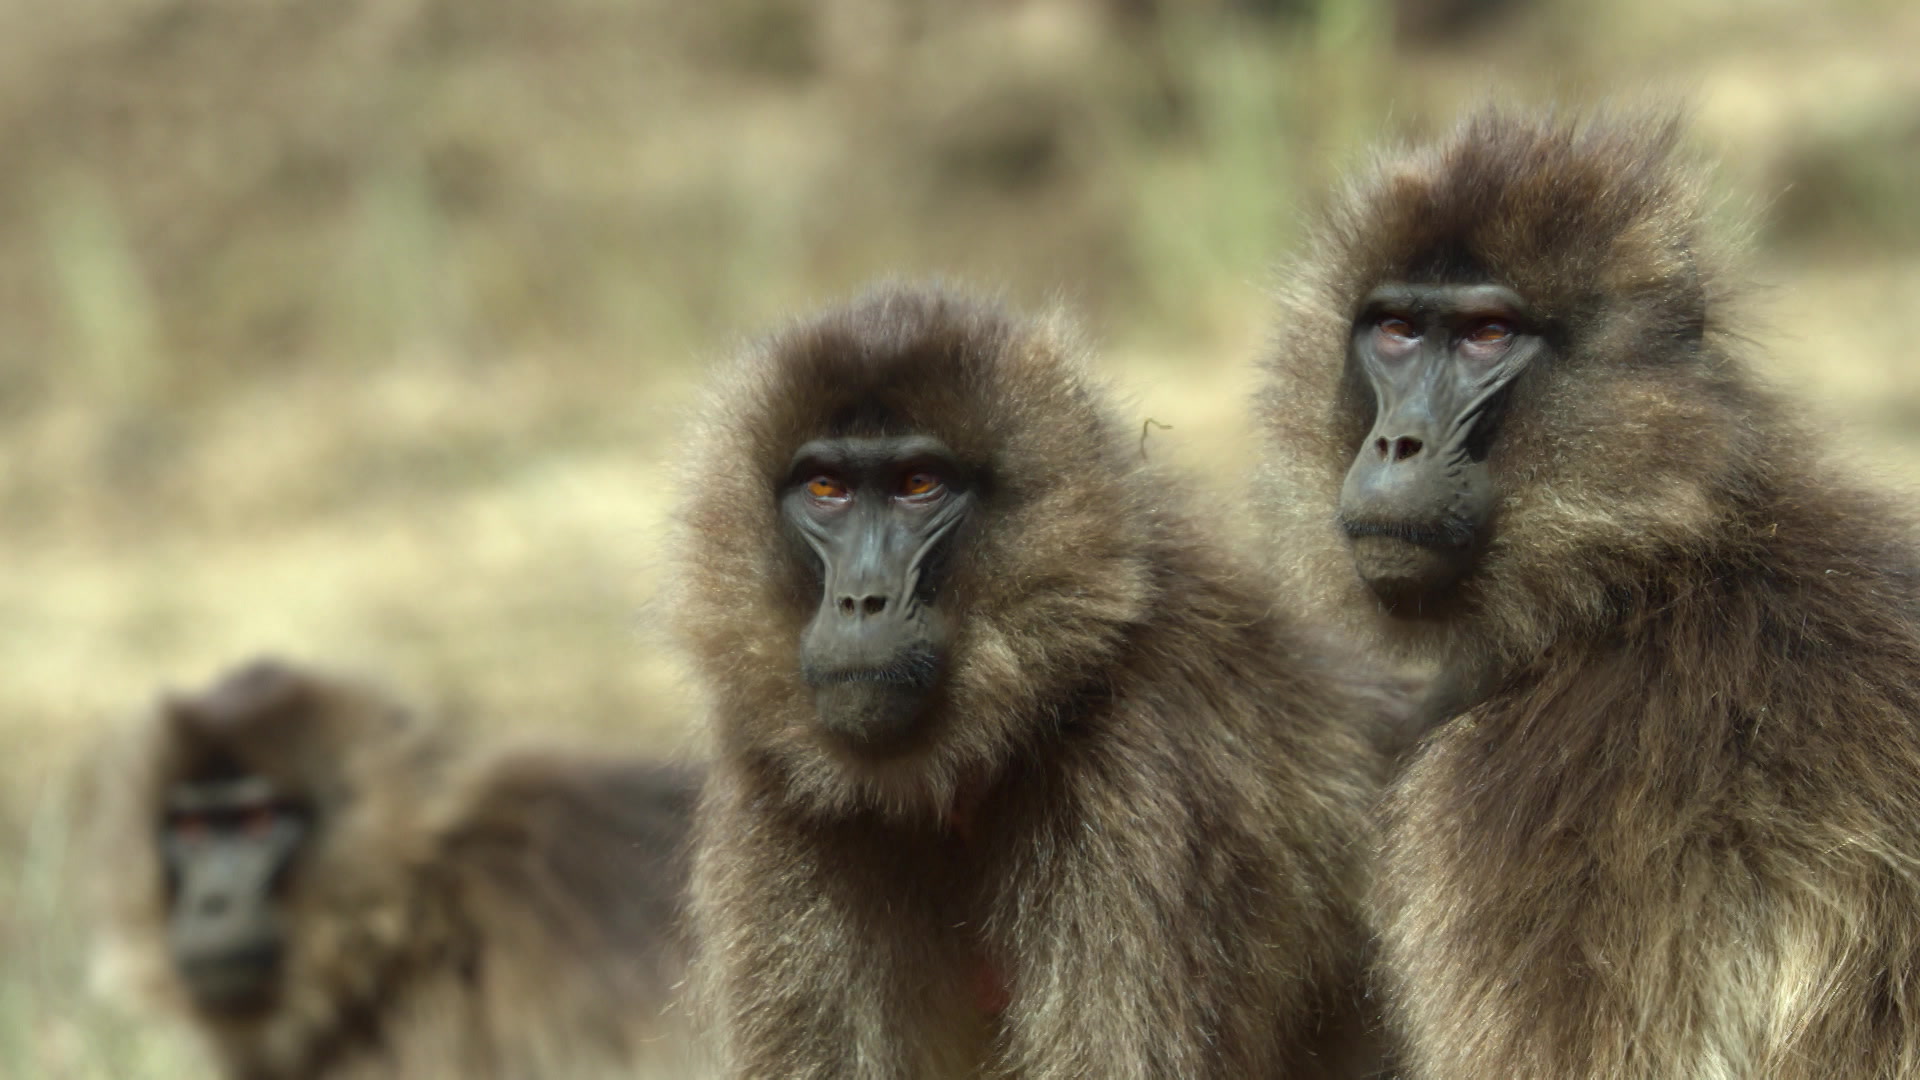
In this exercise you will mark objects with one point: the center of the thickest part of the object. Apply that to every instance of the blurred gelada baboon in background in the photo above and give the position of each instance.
(324, 885)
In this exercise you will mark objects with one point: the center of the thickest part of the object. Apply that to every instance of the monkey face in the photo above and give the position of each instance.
(227, 844)
(229, 836)
(878, 514)
(916, 534)
(1418, 500)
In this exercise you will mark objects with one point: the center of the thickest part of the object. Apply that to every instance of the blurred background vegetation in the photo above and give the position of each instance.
(361, 330)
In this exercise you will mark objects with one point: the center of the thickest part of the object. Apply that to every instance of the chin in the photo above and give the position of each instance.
(1409, 578)
(874, 720)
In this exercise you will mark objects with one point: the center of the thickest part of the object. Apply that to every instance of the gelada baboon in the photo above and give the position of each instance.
(326, 888)
(1018, 776)
(1670, 831)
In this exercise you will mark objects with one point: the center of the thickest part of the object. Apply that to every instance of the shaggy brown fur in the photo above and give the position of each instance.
(455, 915)
(1130, 846)
(1673, 836)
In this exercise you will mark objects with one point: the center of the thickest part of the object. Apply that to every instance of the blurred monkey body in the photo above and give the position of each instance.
(1665, 827)
(326, 888)
(1017, 776)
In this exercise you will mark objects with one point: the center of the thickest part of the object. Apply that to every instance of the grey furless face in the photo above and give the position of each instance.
(1418, 501)
(227, 846)
(878, 513)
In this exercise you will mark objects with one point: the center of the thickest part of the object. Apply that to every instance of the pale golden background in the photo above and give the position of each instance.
(361, 330)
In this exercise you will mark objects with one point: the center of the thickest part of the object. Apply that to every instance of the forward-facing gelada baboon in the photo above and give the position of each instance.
(326, 887)
(1018, 775)
(1671, 831)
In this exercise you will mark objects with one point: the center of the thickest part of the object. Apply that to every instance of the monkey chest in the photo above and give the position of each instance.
(1568, 918)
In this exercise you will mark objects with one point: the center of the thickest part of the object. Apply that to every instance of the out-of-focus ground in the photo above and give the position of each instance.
(363, 330)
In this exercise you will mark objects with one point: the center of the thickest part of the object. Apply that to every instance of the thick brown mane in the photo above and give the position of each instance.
(1128, 844)
(1669, 832)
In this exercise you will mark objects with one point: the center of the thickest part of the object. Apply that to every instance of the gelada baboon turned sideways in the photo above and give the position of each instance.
(1673, 830)
(323, 886)
(1017, 776)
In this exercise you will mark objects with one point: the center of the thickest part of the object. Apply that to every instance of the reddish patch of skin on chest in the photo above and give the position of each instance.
(988, 987)
(987, 981)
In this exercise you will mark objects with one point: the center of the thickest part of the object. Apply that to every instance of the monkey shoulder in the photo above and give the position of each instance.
(1665, 751)
(1252, 702)
(571, 867)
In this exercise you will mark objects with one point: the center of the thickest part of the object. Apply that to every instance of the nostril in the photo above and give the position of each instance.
(861, 605)
(1380, 445)
(1405, 447)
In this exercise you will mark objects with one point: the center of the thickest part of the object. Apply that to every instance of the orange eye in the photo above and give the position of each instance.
(257, 822)
(827, 488)
(919, 485)
(1490, 332)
